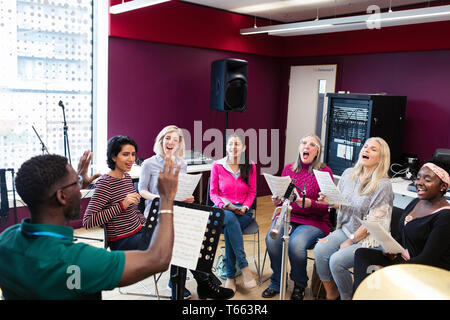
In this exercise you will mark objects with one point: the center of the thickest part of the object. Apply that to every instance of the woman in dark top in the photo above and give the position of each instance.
(424, 227)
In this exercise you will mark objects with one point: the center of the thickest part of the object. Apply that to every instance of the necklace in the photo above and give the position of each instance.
(408, 218)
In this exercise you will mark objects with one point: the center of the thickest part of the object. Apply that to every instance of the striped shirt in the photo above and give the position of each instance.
(104, 208)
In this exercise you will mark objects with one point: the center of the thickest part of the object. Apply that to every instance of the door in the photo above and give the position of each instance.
(307, 105)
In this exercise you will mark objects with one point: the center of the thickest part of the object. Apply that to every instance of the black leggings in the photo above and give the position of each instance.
(366, 259)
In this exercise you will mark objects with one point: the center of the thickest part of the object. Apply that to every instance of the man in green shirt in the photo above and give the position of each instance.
(39, 259)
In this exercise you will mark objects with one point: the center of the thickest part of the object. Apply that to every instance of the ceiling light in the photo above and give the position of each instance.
(133, 5)
(275, 5)
(367, 21)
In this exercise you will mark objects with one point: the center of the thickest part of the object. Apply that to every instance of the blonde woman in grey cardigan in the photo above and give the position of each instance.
(368, 189)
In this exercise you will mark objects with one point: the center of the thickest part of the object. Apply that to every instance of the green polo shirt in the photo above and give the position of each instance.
(41, 261)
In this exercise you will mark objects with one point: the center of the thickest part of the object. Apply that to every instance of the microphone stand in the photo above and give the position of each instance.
(284, 256)
(66, 137)
(44, 148)
(288, 198)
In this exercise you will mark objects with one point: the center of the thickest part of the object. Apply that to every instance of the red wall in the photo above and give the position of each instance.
(191, 25)
(185, 24)
(428, 36)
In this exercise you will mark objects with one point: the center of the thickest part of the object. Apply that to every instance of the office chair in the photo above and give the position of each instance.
(251, 229)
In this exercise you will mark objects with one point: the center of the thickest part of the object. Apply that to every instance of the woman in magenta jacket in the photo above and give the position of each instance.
(233, 188)
(308, 224)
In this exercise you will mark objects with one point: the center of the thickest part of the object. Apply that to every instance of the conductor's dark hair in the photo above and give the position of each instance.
(36, 177)
(114, 146)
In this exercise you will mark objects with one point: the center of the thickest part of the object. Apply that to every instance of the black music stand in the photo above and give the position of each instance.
(4, 201)
(209, 246)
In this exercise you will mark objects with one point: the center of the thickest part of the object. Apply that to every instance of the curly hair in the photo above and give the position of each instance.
(37, 176)
(114, 146)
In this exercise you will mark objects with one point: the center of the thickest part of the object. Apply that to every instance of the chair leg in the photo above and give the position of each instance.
(149, 294)
(258, 267)
(262, 267)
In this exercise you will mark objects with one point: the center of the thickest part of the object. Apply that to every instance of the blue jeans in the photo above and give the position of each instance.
(302, 237)
(333, 263)
(234, 243)
(129, 243)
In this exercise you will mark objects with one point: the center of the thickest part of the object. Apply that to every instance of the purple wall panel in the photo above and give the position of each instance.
(424, 77)
(152, 85)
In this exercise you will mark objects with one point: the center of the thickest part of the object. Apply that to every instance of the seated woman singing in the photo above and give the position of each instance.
(233, 184)
(368, 190)
(424, 226)
(115, 200)
(309, 221)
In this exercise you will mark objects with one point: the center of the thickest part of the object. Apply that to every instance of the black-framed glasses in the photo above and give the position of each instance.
(79, 182)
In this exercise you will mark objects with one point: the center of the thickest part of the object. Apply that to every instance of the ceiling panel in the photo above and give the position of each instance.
(302, 10)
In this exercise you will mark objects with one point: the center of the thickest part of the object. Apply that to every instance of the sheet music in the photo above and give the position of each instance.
(189, 229)
(186, 185)
(279, 185)
(382, 236)
(230, 205)
(329, 189)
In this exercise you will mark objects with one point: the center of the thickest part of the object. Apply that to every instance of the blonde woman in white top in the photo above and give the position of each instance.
(368, 189)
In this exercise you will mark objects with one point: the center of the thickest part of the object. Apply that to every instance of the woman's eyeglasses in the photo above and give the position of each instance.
(310, 144)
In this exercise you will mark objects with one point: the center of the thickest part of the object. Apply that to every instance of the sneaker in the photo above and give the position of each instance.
(298, 293)
(208, 289)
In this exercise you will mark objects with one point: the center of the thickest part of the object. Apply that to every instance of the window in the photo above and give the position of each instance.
(46, 56)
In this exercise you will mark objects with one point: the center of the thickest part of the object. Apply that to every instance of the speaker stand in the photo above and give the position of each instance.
(225, 135)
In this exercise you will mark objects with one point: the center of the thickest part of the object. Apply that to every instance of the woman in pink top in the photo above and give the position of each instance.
(233, 188)
(308, 224)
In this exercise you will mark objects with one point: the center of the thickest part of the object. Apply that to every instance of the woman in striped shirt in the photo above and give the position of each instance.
(115, 200)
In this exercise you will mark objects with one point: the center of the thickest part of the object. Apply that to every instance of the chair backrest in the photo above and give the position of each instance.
(395, 218)
(333, 218)
(105, 241)
(4, 200)
(150, 225)
(141, 205)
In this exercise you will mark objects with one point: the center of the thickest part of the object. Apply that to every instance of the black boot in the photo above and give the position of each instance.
(209, 289)
(298, 293)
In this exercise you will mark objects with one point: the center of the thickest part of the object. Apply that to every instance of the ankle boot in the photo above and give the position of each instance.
(208, 289)
(298, 293)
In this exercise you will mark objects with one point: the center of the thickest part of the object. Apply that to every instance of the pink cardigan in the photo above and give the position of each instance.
(224, 184)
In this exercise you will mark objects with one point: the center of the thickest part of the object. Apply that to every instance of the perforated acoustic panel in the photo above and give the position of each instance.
(46, 56)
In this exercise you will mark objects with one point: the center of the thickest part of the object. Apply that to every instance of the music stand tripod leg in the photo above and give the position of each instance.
(178, 282)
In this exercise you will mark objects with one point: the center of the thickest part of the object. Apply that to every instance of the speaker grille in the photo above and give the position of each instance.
(236, 94)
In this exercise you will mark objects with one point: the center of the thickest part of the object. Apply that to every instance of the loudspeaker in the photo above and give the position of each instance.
(229, 85)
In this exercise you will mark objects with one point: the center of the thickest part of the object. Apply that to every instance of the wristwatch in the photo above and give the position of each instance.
(352, 237)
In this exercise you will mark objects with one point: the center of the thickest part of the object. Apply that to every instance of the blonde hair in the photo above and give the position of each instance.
(316, 164)
(158, 146)
(381, 171)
